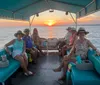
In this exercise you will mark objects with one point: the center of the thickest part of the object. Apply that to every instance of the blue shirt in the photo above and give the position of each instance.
(28, 41)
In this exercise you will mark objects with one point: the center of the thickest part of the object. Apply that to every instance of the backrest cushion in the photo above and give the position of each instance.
(95, 60)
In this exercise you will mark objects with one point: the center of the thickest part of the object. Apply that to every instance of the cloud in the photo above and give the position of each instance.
(12, 23)
(91, 19)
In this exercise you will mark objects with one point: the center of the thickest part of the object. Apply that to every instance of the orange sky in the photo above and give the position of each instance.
(55, 18)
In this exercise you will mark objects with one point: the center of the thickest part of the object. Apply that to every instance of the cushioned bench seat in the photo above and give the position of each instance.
(81, 77)
(6, 72)
(95, 60)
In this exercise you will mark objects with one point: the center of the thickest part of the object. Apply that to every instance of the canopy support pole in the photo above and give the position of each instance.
(75, 20)
(30, 23)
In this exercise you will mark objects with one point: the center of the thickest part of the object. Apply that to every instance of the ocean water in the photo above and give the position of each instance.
(7, 34)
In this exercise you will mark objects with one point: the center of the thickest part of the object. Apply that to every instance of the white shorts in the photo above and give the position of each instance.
(16, 52)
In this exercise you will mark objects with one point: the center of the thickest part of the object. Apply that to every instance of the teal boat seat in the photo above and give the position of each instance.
(6, 72)
(95, 60)
(87, 77)
(84, 77)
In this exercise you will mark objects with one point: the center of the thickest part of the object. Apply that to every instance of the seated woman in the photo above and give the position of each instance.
(36, 39)
(80, 48)
(70, 41)
(19, 52)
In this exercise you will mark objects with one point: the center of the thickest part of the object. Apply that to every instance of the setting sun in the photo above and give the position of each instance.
(50, 22)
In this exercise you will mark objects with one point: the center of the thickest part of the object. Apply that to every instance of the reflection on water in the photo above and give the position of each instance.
(50, 32)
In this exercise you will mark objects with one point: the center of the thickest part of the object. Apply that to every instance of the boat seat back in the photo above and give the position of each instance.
(49, 44)
(52, 41)
(6, 72)
(95, 60)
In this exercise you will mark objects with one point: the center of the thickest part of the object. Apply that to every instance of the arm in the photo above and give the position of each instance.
(74, 39)
(71, 52)
(8, 44)
(93, 47)
(24, 47)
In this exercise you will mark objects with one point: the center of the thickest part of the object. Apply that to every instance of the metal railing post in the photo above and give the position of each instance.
(75, 20)
(30, 23)
(47, 48)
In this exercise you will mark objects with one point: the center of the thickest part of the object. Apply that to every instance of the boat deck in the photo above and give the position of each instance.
(44, 73)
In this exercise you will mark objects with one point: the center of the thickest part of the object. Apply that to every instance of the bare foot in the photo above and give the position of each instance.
(57, 70)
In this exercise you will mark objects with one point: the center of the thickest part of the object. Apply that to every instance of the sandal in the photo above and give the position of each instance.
(29, 73)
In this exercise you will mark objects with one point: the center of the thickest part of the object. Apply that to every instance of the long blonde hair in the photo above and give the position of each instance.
(35, 36)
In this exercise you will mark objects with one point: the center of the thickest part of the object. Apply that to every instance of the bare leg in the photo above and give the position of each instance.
(65, 68)
(36, 54)
(60, 67)
(26, 60)
(23, 65)
(39, 48)
(63, 51)
(32, 54)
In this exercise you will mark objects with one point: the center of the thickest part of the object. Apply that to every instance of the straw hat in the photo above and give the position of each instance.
(81, 29)
(69, 28)
(26, 30)
(73, 29)
(18, 32)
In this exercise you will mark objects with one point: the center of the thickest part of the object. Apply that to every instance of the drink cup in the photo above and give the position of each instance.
(4, 58)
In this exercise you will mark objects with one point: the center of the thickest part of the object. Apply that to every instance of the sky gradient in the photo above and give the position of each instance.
(55, 18)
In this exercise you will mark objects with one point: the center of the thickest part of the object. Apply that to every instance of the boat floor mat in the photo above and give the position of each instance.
(44, 74)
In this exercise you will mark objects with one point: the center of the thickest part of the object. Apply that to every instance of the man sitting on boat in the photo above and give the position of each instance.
(69, 41)
(80, 48)
(29, 46)
(64, 40)
(19, 52)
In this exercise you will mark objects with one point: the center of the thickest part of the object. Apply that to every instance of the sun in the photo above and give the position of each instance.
(50, 22)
